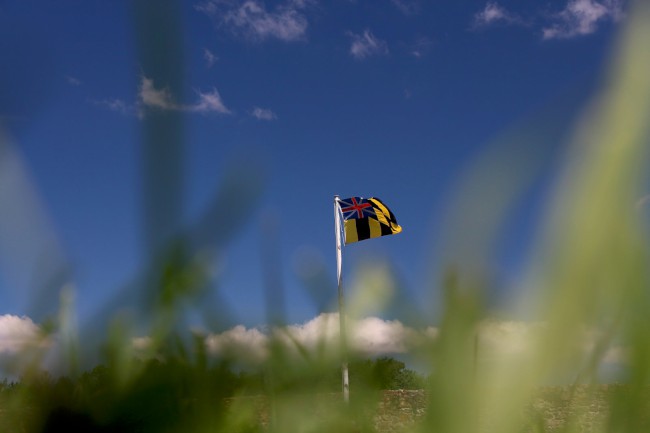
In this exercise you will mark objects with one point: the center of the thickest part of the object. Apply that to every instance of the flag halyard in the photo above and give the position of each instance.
(366, 219)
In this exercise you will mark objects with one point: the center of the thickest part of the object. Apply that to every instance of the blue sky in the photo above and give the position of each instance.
(386, 98)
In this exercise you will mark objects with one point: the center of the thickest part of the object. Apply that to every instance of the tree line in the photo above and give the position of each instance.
(161, 394)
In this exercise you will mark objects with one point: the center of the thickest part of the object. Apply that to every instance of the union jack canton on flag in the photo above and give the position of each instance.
(367, 218)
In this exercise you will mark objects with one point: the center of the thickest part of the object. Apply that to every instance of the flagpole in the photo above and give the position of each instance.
(342, 331)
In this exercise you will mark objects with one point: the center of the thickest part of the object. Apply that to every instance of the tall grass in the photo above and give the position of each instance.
(586, 289)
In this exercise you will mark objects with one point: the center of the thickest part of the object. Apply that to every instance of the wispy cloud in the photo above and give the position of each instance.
(301, 4)
(581, 17)
(208, 102)
(366, 44)
(407, 7)
(578, 18)
(150, 97)
(117, 105)
(494, 13)
(263, 114)
(250, 18)
(73, 81)
(209, 57)
(161, 98)
(421, 47)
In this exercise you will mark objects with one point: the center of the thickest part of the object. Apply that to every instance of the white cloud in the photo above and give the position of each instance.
(23, 344)
(581, 17)
(209, 102)
(263, 114)
(506, 342)
(407, 7)
(117, 105)
(421, 47)
(494, 13)
(239, 342)
(366, 44)
(209, 57)
(301, 4)
(500, 342)
(370, 336)
(508, 338)
(17, 333)
(376, 336)
(323, 329)
(251, 19)
(150, 96)
(73, 81)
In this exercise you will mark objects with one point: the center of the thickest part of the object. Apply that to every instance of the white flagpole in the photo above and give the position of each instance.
(342, 331)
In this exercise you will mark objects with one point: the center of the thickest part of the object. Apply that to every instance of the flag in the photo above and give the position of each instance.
(366, 218)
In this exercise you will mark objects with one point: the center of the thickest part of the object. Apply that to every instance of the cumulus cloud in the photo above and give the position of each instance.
(494, 13)
(250, 18)
(502, 343)
(18, 333)
(23, 343)
(369, 336)
(581, 17)
(366, 45)
(508, 338)
(239, 342)
(321, 330)
(376, 336)
(263, 114)
(499, 341)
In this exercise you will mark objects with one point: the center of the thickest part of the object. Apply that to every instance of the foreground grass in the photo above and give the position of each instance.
(587, 288)
(581, 408)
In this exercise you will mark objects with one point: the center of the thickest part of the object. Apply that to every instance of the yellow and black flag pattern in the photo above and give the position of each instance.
(366, 218)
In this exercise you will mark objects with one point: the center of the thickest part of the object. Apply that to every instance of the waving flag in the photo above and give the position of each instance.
(367, 218)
